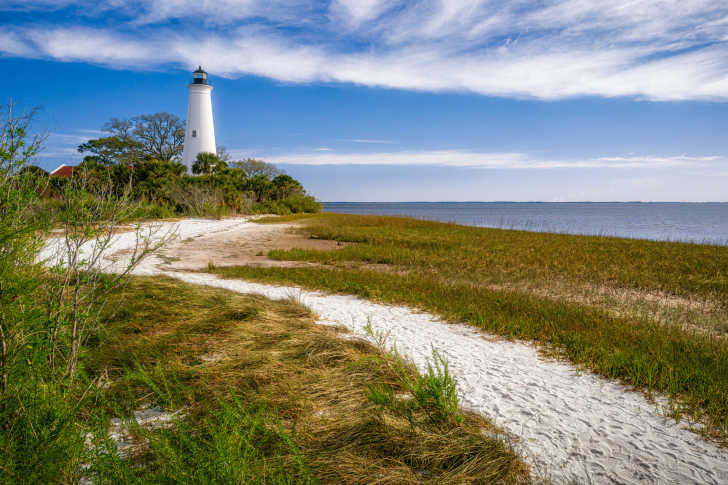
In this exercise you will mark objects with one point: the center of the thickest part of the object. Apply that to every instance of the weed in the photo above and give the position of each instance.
(434, 392)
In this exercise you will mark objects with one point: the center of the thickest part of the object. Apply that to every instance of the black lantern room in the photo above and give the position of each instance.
(199, 77)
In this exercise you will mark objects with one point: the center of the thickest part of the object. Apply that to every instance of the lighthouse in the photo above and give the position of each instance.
(200, 132)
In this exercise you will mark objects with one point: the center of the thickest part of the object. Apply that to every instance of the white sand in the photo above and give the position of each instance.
(568, 423)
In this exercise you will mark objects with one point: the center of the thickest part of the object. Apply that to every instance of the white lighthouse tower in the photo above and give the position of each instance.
(200, 132)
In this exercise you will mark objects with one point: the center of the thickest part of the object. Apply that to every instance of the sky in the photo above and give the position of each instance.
(390, 100)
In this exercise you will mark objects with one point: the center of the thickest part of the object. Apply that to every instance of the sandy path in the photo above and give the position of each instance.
(568, 423)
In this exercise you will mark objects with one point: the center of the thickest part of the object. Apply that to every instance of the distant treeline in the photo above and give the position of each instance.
(141, 157)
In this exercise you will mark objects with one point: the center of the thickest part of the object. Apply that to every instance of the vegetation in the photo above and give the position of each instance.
(246, 390)
(489, 278)
(506, 256)
(264, 395)
(113, 379)
(207, 163)
(50, 308)
(253, 167)
(142, 156)
(158, 136)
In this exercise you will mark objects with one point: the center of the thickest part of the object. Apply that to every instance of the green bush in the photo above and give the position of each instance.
(272, 207)
(41, 441)
(302, 203)
(169, 191)
(154, 210)
(236, 443)
(434, 392)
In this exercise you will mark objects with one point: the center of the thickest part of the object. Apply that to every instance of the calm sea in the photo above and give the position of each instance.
(703, 223)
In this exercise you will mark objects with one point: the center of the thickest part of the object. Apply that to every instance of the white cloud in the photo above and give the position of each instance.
(12, 44)
(92, 45)
(653, 49)
(368, 141)
(356, 12)
(469, 159)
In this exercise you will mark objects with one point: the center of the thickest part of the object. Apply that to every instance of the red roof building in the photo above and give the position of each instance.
(63, 171)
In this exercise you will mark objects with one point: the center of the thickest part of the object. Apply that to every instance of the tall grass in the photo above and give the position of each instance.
(445, 266)
(232, 443)
(485, 254)
(264, 395)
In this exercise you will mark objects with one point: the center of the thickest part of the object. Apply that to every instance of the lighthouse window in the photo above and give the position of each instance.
(194, 133)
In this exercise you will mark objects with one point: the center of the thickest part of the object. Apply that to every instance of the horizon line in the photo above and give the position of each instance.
(522, 202)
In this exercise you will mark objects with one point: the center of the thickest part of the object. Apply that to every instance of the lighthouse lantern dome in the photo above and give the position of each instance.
(199, 77)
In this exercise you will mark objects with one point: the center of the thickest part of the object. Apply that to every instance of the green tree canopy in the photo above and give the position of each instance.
(253, 167)
(33, 169)
(287, 186)
(158, 136)
(263, 188)
(207, 163)
(112, 150)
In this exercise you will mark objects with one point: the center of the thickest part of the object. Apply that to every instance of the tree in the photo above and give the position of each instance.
(287, 186)
(158, 136)
(253, 167)
(207, 163)
(152, 178)
(162, 136)
(112, 150)
(123, 130)
(262, 187)
(223, 154)
(34, 170)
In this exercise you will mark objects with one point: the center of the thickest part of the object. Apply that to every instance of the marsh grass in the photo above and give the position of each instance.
(503, 281)
(265, 395)
(496, 255)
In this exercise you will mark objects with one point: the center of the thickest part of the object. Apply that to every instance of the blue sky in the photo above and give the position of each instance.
(388, 100)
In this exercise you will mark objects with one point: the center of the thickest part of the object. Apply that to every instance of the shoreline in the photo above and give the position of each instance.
(630, 220)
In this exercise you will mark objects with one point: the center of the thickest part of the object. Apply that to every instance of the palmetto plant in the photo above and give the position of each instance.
(207, 163)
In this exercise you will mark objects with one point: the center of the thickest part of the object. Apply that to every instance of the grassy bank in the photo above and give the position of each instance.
(261, 394)
(507, 256)
(520, 285)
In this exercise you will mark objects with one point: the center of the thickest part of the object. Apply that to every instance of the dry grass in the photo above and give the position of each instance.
(217, 345)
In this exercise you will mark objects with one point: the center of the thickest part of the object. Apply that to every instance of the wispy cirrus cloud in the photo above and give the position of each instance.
(653, 49)
(484, 160)
(368, 141)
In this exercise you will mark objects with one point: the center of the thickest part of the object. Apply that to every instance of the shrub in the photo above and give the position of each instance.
(272, 207)
(302, 203)
(154, 210)
(196, 198)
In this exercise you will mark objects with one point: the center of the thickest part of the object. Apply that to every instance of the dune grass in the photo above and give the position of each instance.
(483, 277)
(265, 395)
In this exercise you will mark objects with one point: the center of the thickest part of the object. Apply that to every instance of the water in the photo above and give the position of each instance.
(702, 223)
